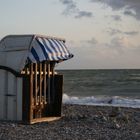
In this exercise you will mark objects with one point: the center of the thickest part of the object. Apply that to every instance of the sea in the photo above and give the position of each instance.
(117, 87)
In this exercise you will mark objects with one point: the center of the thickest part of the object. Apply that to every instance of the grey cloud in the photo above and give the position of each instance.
(127, 5)
(121, 45)
(81, 14)
(72, 9)
(112, 32)
(116, 17)
(70, 6)
(68, 2)
(116, 42)
(129, 13)
(117, 45)
(114, 4)
(131, 33)
(89, 42)
(92, 41)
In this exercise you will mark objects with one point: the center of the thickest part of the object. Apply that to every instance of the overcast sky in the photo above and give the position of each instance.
(102, 34)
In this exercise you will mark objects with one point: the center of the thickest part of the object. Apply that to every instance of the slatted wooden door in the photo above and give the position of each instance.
(42, 91)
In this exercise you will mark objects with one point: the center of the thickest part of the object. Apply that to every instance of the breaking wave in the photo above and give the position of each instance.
(102, 101)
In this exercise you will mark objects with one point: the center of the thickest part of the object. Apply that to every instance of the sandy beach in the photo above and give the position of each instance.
(79, 123)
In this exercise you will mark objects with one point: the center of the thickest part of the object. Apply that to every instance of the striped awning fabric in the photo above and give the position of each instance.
(49, 49)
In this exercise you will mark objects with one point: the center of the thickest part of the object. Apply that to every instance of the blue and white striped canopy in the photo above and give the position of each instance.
(49, 49)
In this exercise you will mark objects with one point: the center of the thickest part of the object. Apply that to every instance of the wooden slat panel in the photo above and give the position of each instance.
(40, 83)
(36, 84)
(44, 119)
(52, 82)
(26, 70)
(44, 77)
(48, 81)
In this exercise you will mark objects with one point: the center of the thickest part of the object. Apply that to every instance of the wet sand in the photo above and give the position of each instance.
(79, 122)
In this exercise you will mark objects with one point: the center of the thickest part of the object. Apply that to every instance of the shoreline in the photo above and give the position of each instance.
(80, 122)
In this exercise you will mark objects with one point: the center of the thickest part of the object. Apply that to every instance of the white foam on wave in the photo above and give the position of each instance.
(102, 101)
